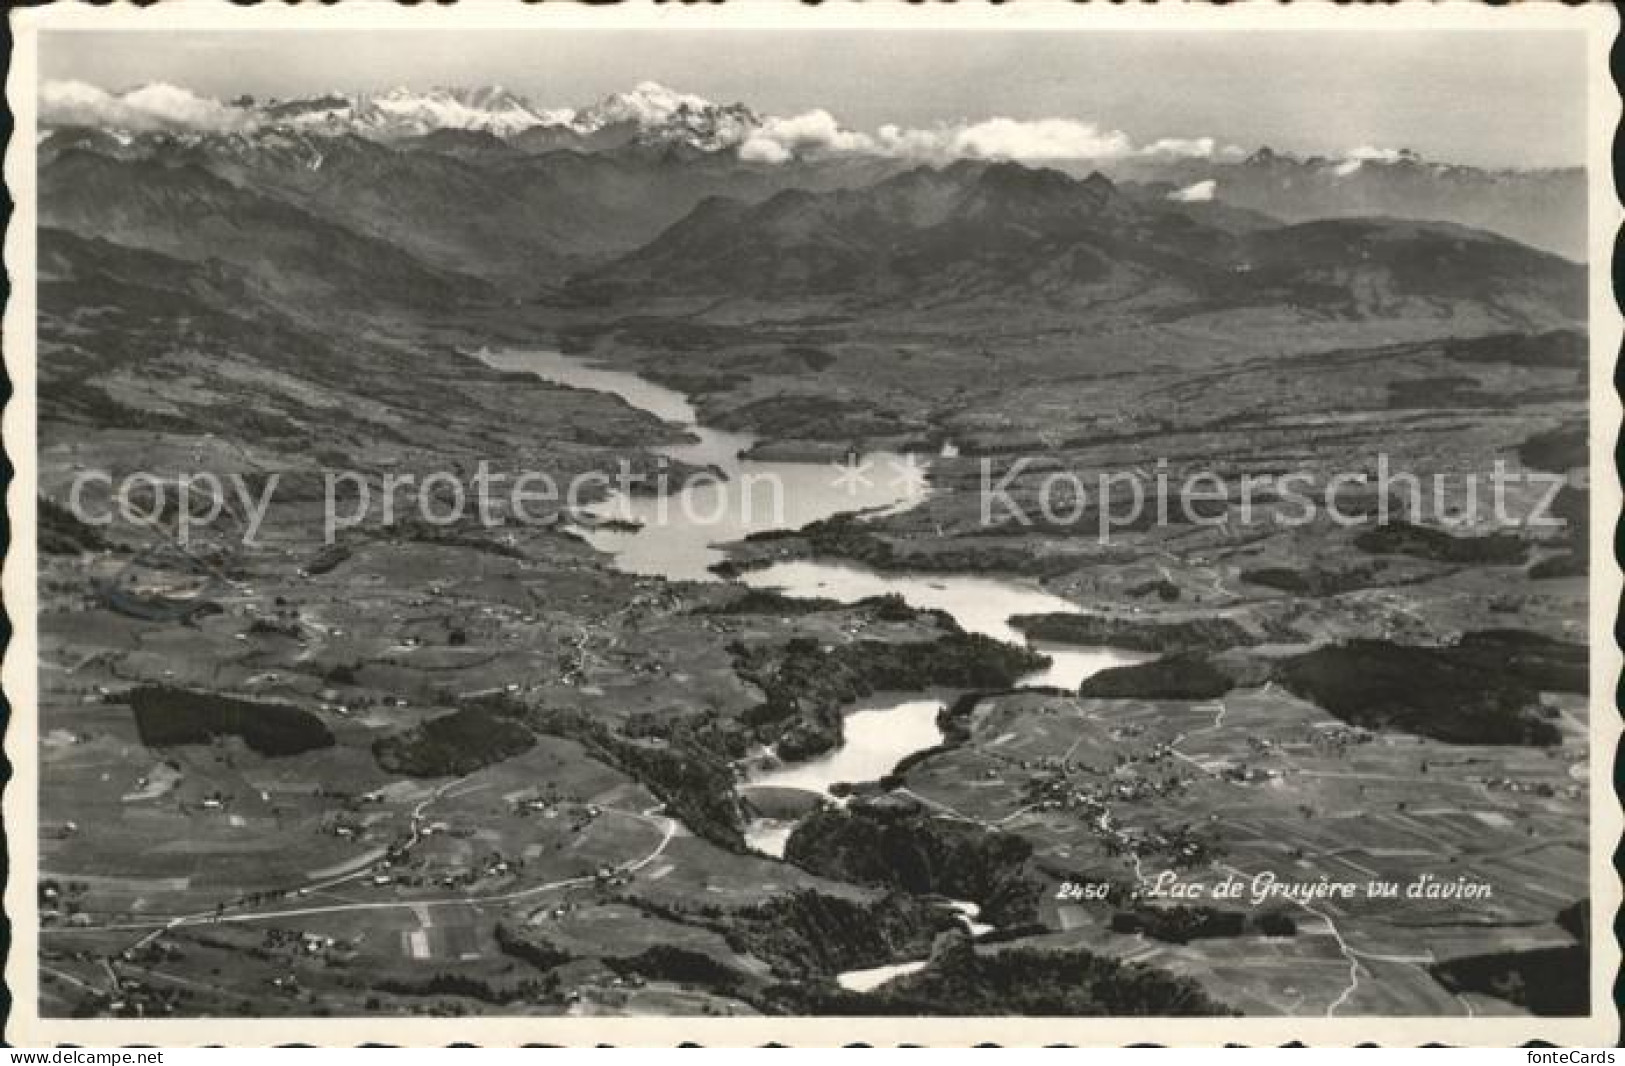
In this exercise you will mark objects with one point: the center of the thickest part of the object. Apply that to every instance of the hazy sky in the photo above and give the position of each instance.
(1484, 97)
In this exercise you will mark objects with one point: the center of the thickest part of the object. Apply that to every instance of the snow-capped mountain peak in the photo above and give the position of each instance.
(662, 115)
(405, 112)
(646, 105)
(649, 113)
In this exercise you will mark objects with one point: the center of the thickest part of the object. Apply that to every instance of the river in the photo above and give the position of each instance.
(676, 537)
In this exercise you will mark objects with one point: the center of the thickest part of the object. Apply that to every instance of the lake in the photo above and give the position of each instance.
(677, 537)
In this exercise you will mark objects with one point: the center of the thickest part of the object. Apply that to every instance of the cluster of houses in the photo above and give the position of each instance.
(1541, 789)
(61, 904)
(307, 944)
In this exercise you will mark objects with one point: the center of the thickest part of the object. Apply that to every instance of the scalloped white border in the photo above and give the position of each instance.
(18, 673)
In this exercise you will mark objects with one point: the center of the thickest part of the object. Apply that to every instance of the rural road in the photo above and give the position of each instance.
(668, 827)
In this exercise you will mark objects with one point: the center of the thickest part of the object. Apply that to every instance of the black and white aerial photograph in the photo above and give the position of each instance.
(594, 519)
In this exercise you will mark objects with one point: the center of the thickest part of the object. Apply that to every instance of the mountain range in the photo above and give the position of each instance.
(457, 197)
(1541, 207)
(649, 111)
(461, 201)
(975, 230)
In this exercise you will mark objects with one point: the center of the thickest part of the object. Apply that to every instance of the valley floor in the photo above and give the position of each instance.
(573, 843)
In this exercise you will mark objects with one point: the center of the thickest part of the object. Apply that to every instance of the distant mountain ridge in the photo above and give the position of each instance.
(187, 212)
(649, 112)
(975, 230)
(455, 216)
(1542, 207)
(462, 201)
(1545, 208)
(479, 191)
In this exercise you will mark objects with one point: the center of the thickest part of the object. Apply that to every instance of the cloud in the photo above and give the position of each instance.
(1195, 147)
(1200, 193)
(1042, 140)
(777, 139)
(151, 107)
(913, 144)
(1046, 140)
(764, 150)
